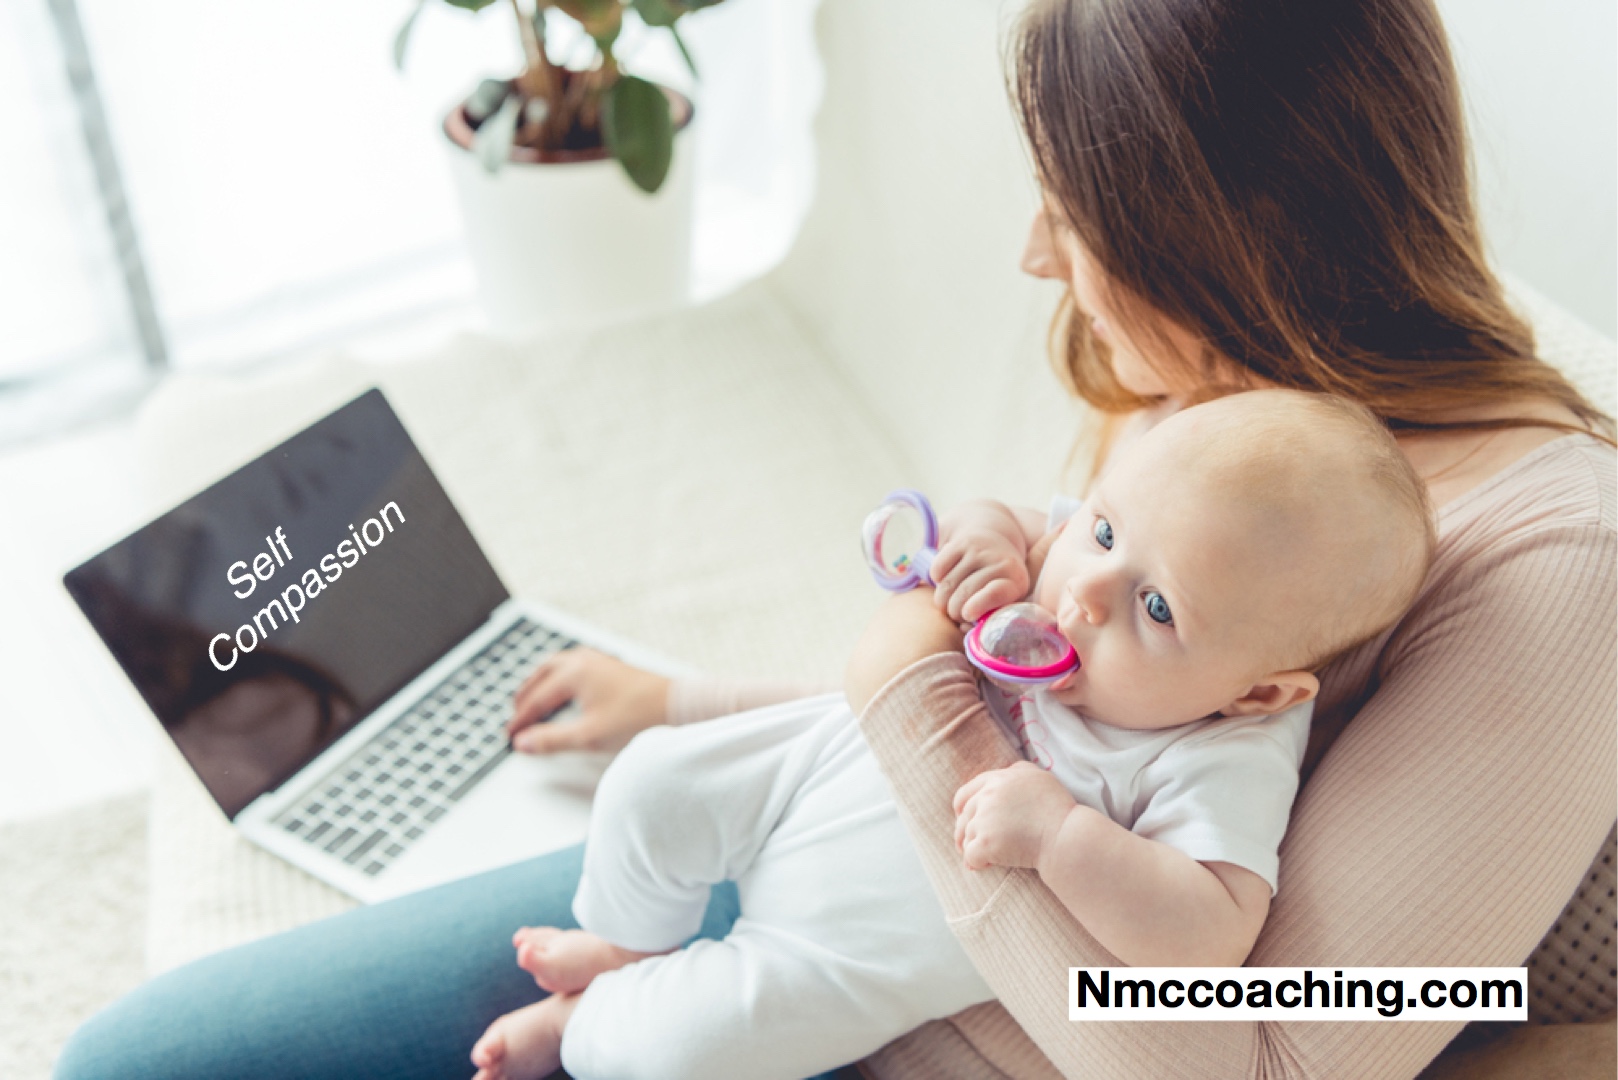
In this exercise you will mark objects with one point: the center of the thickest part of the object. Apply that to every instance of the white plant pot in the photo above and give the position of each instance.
(565, 242)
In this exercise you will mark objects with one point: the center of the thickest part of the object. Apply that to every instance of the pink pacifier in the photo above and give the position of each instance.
(1018, 644)
(1021, 644)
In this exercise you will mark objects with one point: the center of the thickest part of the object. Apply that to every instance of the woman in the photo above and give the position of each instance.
(1255, 200)
(1241, 195)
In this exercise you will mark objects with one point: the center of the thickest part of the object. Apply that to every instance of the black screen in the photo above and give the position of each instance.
(358, 574)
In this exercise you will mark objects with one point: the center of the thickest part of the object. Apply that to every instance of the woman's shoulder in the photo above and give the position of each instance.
(1569, 485)
(1548, 518)
(1528, 555)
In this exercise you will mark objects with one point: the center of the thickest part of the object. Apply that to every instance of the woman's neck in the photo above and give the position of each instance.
(1454, 462)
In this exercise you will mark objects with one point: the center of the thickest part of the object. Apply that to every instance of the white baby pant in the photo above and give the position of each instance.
(840, 947)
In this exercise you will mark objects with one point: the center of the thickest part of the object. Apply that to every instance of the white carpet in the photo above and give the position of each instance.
(72, 922)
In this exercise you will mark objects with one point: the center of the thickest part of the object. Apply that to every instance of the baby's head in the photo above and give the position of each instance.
(1232, 551)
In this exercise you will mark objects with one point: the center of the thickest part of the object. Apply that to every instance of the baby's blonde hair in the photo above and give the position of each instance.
(1281, 452)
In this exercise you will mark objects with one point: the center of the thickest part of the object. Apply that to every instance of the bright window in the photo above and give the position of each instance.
(288, 187)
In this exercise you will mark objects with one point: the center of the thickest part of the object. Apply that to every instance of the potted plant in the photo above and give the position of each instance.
(576, 200)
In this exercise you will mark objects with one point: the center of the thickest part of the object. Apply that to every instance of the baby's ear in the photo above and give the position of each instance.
(1274, 693)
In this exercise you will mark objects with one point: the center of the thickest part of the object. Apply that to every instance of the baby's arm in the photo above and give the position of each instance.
(983, 558)
(1149, 904)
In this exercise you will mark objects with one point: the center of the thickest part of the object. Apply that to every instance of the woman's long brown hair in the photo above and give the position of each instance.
(1289, 181)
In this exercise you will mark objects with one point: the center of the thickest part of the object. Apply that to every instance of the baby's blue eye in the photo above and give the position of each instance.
(1103, 533)
(1157, 607)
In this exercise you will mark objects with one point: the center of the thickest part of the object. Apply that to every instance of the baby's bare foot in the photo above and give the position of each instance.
(526, 1044)
(566, 961)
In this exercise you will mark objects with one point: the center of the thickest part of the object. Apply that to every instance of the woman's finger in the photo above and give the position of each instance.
(549, 738)
(529, 706)
(542, 671)
(543, 694)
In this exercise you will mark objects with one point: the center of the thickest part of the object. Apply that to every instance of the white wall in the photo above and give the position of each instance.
(1541, 86)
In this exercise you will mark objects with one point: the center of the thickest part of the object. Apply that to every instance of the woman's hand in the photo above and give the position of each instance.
(906, 628)
(616, 702)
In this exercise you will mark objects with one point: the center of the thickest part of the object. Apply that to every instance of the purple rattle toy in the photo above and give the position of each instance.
(1018, 644)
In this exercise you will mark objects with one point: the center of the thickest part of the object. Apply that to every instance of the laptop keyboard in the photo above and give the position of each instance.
(369, 810)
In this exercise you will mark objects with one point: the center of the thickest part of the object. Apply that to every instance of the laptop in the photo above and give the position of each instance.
(334, 656)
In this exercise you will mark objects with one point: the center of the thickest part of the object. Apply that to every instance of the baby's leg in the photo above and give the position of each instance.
(841, 945)
(758, 1004)
(682, 809)
(565, 961)
(525, 1044)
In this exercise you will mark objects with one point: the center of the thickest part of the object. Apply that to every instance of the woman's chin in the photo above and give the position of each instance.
(1136, 376)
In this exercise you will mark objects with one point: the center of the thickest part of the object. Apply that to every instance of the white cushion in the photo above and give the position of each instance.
(1587, 358)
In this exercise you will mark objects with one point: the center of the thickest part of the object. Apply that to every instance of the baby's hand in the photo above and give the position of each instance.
(977, 570)
(1009, 816)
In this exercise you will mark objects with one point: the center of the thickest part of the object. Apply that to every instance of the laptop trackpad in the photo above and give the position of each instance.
(526, 806)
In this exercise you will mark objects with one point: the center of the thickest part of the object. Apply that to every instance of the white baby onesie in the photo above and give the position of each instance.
(1219, 790)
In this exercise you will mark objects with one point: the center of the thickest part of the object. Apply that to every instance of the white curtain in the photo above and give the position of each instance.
(62, 306)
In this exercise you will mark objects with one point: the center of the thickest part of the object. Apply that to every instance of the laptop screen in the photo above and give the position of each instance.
(265, 617)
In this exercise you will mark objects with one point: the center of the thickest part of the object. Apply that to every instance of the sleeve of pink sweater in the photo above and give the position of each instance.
(1446, 826)
(706, 697)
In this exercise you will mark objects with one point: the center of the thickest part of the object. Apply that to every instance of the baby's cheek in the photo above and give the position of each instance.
(1057, 569)
(1070, 696)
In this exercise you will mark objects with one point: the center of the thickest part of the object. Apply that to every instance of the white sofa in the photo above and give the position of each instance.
(696, 481)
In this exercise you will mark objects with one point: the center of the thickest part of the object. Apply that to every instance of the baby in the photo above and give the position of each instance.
(1224, 556)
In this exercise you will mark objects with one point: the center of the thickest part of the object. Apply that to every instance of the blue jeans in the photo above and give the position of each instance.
(394, 991)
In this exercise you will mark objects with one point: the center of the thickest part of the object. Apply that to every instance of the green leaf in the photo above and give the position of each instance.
(658, 12)
(607, 34)
(593, 15)
(601, 19)
(639, 131)
(482, 102)
(401, 40)
(470, 5)
(665, 12)
(680, 41)
(492, 142)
